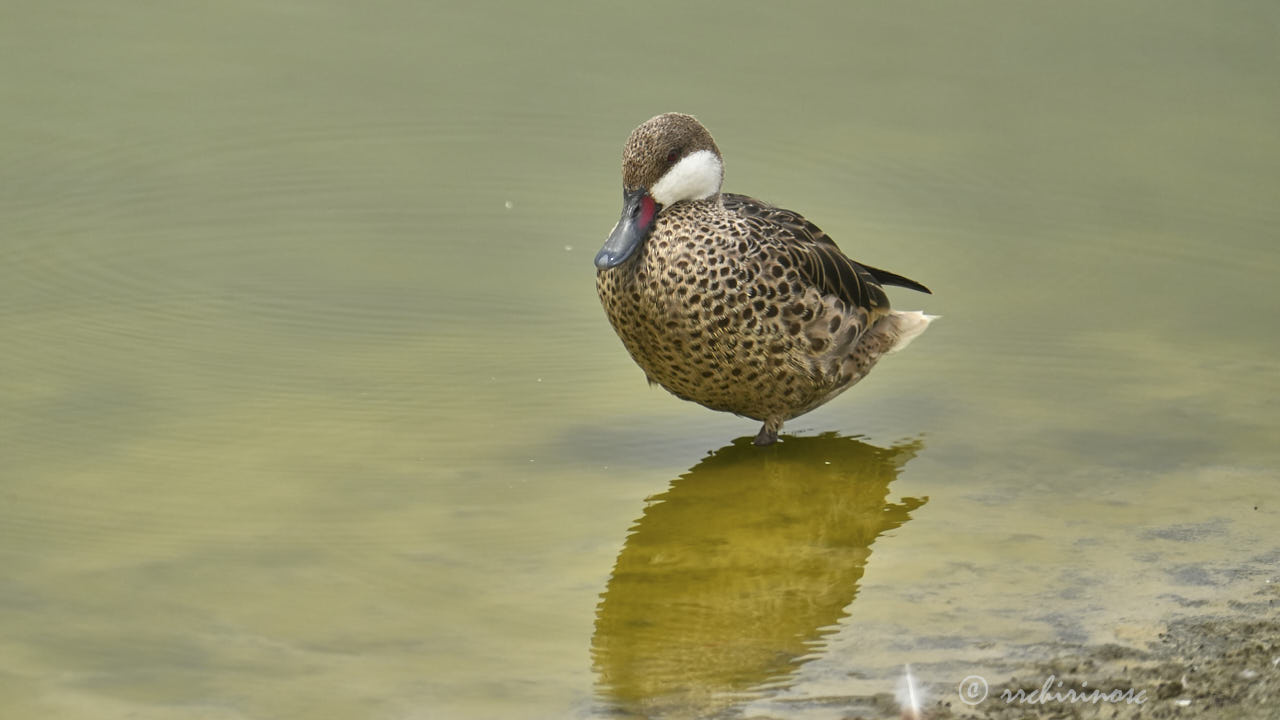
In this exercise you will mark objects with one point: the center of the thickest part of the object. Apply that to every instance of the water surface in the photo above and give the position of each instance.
(308, 407)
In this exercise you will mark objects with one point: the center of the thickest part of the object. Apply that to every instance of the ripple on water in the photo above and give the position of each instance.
(165, 295)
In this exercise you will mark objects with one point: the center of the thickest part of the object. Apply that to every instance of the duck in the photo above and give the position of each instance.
(731, 302)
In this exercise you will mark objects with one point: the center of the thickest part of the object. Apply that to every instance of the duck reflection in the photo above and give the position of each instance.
(731, 578)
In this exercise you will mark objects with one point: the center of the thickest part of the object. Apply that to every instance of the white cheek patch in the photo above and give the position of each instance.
(696, 177)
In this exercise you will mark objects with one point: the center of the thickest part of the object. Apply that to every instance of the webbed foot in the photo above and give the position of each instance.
(768, 434)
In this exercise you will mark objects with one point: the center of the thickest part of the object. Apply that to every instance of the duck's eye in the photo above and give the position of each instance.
(672, 155)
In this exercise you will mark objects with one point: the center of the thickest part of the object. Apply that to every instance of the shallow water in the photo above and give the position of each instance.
(309, 409)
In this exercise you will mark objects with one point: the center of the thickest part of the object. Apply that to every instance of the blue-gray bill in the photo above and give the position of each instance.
(638, 212)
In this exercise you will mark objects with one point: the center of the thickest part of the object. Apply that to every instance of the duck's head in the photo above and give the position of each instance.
(669, 159)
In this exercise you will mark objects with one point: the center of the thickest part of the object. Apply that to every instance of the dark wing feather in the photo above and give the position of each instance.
(816, 255)
(887, 278)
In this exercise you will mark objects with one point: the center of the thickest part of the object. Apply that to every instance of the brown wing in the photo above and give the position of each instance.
(816, 255)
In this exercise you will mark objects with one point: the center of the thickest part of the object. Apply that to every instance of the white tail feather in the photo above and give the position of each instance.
(908, 324)
(910, 696)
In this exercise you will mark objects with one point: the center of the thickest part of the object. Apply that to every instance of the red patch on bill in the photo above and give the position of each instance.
(647, 207)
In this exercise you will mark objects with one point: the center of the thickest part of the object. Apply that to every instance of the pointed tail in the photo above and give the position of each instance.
(906, 326)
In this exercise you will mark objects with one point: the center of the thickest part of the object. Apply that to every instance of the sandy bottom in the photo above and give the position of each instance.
(1220, 665)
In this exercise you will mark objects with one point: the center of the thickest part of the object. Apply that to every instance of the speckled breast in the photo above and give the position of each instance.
(713, 318)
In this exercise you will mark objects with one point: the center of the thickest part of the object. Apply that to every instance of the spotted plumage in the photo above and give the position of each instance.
(731, 302)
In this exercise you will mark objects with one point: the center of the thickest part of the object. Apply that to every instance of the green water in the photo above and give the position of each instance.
(308, 408)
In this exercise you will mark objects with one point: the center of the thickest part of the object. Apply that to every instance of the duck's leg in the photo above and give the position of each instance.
(768, 432)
